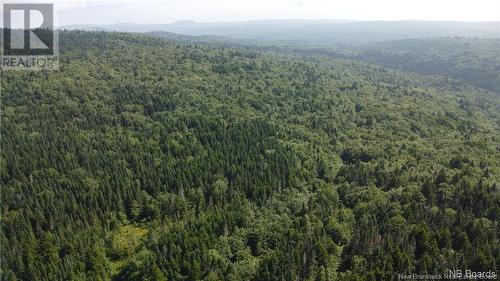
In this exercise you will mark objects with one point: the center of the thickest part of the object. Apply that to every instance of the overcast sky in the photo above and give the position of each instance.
(167, 11)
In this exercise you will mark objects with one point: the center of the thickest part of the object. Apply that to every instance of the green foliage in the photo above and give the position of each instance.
(142, 159)
(473, 60)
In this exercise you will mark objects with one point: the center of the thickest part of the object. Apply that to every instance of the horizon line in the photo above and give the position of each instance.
(340, 21)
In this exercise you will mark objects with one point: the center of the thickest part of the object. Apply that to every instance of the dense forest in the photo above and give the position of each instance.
(474, 61)
(148, 159)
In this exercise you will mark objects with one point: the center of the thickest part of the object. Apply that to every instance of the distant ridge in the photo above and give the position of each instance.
(315, 31)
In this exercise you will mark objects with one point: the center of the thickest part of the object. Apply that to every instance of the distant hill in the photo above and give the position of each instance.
(476, 61)
(316, 32)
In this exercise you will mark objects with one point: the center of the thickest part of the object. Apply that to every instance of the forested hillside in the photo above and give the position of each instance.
(144, 159)
(473, 60)
(314, 32)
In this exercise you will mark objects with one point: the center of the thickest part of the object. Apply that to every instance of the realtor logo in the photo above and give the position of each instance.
(29, 39)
